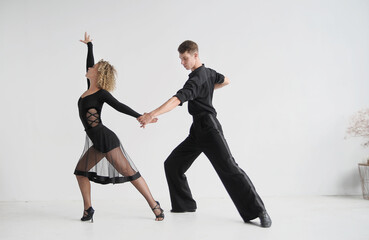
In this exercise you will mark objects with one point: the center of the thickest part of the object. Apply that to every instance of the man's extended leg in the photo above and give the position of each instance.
(235, 180)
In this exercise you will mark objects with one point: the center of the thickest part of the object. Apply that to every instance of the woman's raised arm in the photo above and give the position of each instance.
(90, 55)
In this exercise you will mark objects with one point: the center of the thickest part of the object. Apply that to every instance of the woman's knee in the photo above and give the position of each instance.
(128, 171)
(81, 178)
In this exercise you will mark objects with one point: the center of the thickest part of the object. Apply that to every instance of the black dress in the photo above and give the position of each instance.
(104, 159)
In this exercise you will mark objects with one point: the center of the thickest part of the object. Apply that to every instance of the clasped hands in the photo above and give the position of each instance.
(146, 118)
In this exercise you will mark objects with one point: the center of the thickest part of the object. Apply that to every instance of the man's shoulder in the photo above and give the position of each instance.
(201, 72)
(206, 71)
(203, 69)
(210, 70)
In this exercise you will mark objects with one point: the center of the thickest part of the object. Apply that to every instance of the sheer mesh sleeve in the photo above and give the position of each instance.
(113, 102)
(90, 60)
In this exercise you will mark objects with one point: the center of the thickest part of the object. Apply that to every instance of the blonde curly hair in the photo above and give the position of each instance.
(106, 75)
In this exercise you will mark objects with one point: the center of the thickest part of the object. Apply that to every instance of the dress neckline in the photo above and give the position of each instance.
(90, 94)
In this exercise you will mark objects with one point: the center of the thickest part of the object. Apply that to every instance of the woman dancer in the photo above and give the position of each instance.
(104, 160)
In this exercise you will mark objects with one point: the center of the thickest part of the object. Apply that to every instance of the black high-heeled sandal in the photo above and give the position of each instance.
(161, 214)
(89, 215)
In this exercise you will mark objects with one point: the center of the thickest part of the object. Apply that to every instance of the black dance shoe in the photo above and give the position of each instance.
(160, 216)
(265, 220)
(182, 210)
(89, 215)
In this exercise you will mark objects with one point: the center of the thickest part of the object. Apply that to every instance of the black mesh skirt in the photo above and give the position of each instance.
(104, 159)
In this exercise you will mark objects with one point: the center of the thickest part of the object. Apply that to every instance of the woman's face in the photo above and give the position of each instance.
(92, 72)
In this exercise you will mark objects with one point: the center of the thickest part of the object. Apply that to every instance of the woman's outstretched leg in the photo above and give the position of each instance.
(141, 185)
(121, 164)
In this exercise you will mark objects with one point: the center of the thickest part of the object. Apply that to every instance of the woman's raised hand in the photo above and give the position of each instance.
(87, 39)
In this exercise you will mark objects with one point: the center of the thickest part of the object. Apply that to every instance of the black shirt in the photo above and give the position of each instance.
(198, 90)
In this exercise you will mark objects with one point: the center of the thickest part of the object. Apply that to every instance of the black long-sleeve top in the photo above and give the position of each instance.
(198, 90)
(91, 105)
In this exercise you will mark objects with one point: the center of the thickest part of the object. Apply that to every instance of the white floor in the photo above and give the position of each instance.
(323, 217)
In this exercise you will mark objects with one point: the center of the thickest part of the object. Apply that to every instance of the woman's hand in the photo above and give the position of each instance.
(87, 39)
(146, 119)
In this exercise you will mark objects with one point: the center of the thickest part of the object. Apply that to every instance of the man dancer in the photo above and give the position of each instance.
(206, 135)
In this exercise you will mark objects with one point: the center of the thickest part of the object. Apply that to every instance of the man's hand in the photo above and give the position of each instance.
(146, 119)
(151, 116)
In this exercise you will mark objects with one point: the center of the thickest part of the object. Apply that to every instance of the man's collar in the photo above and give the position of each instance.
(196, 70)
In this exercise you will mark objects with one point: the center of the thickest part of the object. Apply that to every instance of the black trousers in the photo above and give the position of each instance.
(206, 135)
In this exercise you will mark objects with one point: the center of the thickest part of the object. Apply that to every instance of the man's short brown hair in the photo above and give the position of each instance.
(188, 46)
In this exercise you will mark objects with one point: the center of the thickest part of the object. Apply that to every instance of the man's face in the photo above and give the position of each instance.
(188, 60)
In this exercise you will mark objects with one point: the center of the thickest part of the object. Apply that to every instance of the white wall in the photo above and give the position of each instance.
(298, 71)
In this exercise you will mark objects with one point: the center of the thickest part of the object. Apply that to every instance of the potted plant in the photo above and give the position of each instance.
(359, 127)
